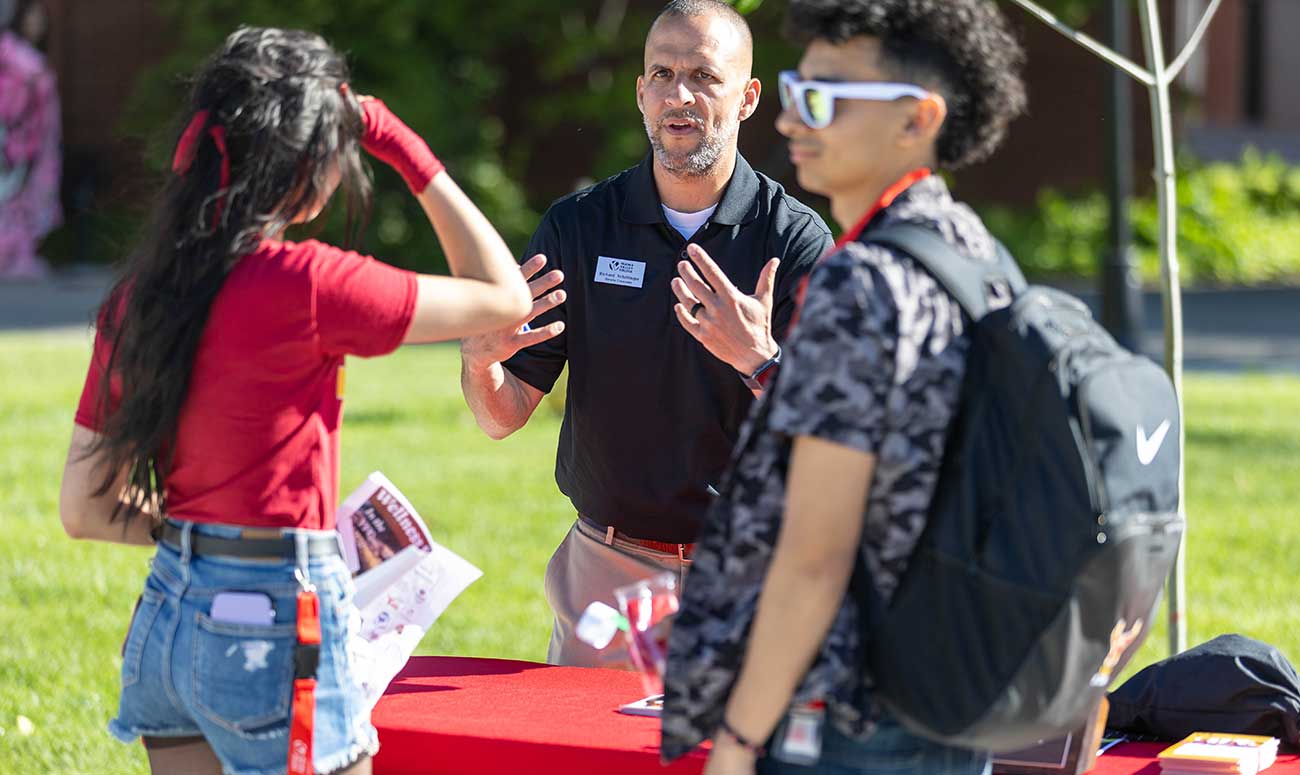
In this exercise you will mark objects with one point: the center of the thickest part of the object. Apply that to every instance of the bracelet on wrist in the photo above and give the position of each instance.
(739, 739)
(763, 374)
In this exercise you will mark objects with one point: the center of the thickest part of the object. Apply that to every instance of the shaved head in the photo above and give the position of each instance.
(696, 86)
(743, 42)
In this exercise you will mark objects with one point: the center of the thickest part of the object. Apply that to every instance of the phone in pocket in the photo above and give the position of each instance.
(242, 608)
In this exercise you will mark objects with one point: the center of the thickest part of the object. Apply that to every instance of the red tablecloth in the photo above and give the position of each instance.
(462, 715)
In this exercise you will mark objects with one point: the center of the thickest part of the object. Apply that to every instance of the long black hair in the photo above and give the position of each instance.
(283, 125)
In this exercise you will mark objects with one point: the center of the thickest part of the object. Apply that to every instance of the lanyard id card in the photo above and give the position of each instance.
(800, 739)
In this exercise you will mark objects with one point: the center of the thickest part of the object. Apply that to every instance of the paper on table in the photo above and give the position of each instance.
(647, 706)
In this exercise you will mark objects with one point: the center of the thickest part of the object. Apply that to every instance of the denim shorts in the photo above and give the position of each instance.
(185, 675)
(892, 750)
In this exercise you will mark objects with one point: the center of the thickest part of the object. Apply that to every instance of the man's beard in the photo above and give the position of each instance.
(698, 161)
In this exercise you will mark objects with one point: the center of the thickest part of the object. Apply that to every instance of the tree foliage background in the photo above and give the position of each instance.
(523, 101)
(527, 102)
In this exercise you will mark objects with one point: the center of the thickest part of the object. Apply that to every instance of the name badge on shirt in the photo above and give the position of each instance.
(620, 271)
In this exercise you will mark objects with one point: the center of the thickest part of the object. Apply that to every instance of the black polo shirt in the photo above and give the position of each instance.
(651, 416)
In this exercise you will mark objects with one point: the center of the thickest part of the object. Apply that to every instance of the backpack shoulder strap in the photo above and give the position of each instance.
(975, 285)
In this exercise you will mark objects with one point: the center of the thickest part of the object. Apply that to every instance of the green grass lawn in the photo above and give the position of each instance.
(64, 606)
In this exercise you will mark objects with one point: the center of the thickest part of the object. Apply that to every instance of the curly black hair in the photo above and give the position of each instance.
(960, 48)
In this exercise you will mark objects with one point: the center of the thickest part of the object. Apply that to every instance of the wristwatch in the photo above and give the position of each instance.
(763, 374)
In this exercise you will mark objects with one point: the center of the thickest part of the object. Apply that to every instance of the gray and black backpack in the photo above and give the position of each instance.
(1054, 523)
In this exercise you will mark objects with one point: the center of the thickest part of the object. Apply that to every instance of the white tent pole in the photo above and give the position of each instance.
(1100, 49)
(1167, 204)
(1195, 40)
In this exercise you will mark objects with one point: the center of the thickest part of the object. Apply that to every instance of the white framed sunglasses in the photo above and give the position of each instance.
(816, 99)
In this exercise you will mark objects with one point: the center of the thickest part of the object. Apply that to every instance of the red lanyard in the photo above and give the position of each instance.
(886, 199)
(306, 658)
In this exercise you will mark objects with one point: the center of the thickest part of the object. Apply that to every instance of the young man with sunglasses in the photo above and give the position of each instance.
(655, 397)
(841, 456)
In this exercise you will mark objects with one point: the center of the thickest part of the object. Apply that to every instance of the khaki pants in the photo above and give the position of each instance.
(585, 568)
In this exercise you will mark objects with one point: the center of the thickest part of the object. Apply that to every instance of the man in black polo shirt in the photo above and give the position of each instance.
(655, 396)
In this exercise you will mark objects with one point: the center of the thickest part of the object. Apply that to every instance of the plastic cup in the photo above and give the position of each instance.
(649, 606)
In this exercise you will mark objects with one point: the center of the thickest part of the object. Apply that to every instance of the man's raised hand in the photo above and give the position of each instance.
(481, 352)
(736, 328)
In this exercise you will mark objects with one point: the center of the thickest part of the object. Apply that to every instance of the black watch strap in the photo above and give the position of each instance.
(758, 380)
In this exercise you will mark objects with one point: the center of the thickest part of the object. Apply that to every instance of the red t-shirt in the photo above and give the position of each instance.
(257, 441)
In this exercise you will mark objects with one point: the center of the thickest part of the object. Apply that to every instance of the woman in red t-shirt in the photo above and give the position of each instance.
(214, 398)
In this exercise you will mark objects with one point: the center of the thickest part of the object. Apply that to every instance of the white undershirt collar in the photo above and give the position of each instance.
(687, 223)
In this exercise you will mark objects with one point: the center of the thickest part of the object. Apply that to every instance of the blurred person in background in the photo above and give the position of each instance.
(29, 141)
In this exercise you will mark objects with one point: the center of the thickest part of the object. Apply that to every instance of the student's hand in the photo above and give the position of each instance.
(734, 327)
(388, 139)
(728, 758)
(481, 352)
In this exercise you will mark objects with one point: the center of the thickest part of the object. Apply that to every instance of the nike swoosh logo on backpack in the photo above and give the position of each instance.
(1149, 447)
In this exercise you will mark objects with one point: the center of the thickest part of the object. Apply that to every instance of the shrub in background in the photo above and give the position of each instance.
(1237, 223)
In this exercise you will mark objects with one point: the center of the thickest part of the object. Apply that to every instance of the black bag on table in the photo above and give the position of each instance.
(1231, 684)
(1053, 526)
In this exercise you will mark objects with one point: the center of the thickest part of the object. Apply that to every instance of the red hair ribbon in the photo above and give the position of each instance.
(188, 146)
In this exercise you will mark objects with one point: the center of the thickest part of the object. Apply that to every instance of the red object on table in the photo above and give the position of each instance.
(465, 715)
(451, 715)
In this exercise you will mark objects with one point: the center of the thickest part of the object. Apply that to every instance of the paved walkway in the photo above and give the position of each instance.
(1229, 330)
(67, 300)
(1224, 330)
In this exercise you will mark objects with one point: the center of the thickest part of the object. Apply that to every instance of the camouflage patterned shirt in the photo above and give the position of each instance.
(875, 364)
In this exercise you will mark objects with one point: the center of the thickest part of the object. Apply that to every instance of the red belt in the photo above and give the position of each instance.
(608, 534)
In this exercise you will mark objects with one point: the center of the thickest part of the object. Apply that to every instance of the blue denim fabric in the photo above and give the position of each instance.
(185, 675)
(892, 750)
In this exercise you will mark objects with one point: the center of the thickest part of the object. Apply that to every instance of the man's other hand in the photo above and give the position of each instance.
(734, 327)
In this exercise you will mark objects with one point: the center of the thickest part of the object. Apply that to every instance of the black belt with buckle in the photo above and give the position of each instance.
(255, 544)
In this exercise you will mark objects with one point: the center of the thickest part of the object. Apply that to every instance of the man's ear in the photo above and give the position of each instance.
(640, 94)
(925, 120)
(748, 105)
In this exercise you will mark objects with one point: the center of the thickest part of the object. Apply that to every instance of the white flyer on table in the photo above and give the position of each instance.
(405, 580)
